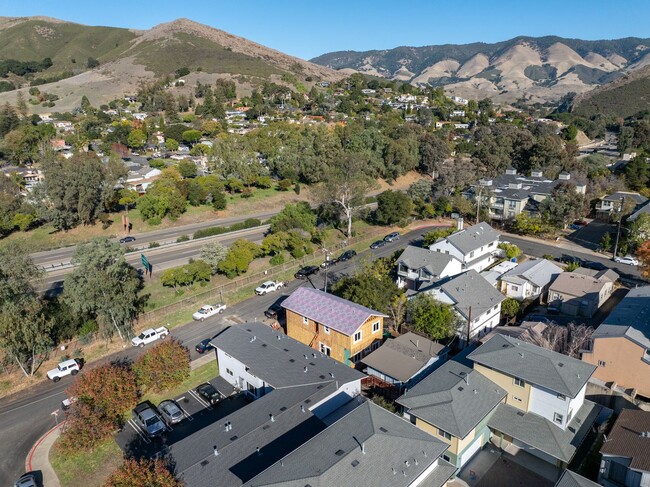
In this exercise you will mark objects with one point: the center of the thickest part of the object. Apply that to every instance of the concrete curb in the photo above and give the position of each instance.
(39, 457)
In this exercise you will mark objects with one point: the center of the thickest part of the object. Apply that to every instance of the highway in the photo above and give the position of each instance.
(27, 415)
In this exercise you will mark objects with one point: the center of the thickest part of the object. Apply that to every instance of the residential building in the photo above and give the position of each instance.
(420, 268)
(475, 300)
(494, 273)
(454, 404)
(581, 293)
(620, 346)
(626, 451)
(611, 203)
(511, 194)
(529, 279)
(476, 247)
(572, 479)
(367, 447)
(334, 326)
(545, 412)
(405, 360)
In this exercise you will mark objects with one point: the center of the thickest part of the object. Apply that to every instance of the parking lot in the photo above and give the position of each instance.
(197, 413)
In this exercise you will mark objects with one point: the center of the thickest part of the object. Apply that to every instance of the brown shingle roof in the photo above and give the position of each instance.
(630, 438)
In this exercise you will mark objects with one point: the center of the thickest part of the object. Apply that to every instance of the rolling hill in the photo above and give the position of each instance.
(129, 57)
(539, 69)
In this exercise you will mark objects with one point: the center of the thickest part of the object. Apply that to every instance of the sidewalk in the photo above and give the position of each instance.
(561, 242)
(39, 457)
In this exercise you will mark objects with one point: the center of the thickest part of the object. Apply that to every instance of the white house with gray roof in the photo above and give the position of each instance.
(530, 279)
(420, 268)
(476, 247)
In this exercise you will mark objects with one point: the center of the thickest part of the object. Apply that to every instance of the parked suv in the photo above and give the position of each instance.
(170, 412)
(148, 419)
(347, 255)
(67, 367)
(305, 272)
(392, 236)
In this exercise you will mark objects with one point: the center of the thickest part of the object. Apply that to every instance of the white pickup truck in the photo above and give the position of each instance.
(208, 310)
(149, 335)
(268, 287)
(67, 367)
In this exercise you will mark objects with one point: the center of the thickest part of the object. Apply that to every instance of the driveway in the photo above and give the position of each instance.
(490, 467)
(591, 234)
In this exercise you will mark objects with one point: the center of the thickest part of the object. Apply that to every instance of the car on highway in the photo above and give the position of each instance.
(67, 367)
(628, 259)
(27, 480)
(305, 272)
(127, 239)
(391, 237)
(208, 392)
(148, 419)
(377, 244)
(204, 345)
(347, 255)
(171, 412)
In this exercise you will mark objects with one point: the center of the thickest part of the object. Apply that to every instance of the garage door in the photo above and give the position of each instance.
(471, 450)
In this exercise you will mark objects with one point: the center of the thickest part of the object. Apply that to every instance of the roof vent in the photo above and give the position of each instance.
(233, 438)
(521, 354)
(355, 463)
(407, 464)
(394, 471)
(313, 355)
(332, 375)
(292, 360)
(339, 453)
(283, 408)
(520, 413)
(302, 408)
(253, 339)
(264, 344)
(306, 357)
(305, 369)
(475, 391)
(285, 349)
(383, 430)
(204, 462)
(258, 451)
(271, 418)
(215, 450)
(279, 337)
(461, 388)
(560, 364)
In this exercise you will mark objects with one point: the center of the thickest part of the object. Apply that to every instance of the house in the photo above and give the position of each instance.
(620, 346)
(494, 273)
(475, 301)
(545, 413)
(581, 293)
(405, 360)
(454, 404)
(511, 194)
(419, 268)
(365, 448)
(572, 479)
(336, 327)
(626, 451)
(529, 279)
(476, 247)
(611, 203)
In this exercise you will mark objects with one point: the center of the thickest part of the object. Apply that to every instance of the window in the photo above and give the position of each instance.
(519, 382)
(229, 372)
(518, 399)
(375, 327)
(326, 329)
(357, 336)
(471, 254)
(495, 308)
(558, 418)
(305, 320)
(324, 349)
(444, 434)
(514, 288)
(446, 458)
(561, 397)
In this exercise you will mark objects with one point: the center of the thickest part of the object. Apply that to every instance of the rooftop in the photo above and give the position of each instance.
(572, 479)
(472, 238)
(537, 271)
(608, 274)
(417, 258)
(368, 447)
(454, 398)
(471, 290)
(636, 197)
(630, 319)
(630, 438)
(542, 434)
(403, 357)
(578, 284)
(536, 365)
(327, 309)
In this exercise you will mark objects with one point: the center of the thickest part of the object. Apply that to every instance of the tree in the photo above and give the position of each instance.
(639, 230)
(510, 308)
(432, 237)
(240, 254)
(511, 250)
(346, 184)
(171, 144)
(92, 63)
(431, 317)
(298, 216)
(136, 139)
(529, 225)
(163, 198)
(213, 253)
(433, 151)
(128, 197)
(275, 243)
(392, 207)
(192, 136)
(637, 173)
(187, 169)
(104, 286)
(137, 473)
(606, 242)
(643, 255)
(420, 190)
(397, 309)
(564, 205)
(163, 367)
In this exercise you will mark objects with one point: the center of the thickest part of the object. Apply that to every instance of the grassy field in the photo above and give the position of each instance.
(94, 467)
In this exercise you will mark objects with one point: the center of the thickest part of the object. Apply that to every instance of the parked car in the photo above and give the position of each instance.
(377, 244)
(305, 272)
(208, 310)
(204, 345)
(148, 419)
(329, 263)
(392, 237)
(127, 240)
(27, 480)
(275, 310)
(268, 287)
(67, 403)
(628, 259)
(67, 367)
(347, 255)
(171, 412)
(208, 392)
(149, 335)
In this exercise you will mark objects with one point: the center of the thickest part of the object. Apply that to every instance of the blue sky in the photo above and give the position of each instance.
(309, 28)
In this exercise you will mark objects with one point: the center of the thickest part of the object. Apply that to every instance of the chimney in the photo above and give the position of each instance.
(459, 224)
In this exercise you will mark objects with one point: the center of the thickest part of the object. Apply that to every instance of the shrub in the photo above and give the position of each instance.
(511, 250)
(209, 232)
(152, 473)
(277, 259)
(153, 245)
(239, 256)
(434, 235)
(157, 164)
(155, 221)
(284, 184)
(247, 192)
(164, 366)
(183, 238)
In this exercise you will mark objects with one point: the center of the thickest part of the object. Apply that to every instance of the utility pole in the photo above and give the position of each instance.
(618, 231)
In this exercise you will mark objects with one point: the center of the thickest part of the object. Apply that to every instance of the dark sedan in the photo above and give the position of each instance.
(347, 255)
(127, 239)
(377, 244)
(203, 346)
(305, 272)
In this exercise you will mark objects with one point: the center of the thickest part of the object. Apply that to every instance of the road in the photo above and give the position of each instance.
(25, 416)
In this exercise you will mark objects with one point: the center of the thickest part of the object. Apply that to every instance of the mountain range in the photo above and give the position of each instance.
(534, 68)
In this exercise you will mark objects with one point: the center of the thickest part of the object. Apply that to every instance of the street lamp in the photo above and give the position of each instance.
(618, 230)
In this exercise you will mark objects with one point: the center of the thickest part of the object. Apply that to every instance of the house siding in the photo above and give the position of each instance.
(507, 382)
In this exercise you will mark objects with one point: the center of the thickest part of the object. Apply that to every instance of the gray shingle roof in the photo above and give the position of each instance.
(644, 209)
(572, 479)
(536, 365)
(470, 289)
(473, 237)
(396, 452)
(579, 285)
(453, 398)
(542, 434)
(630, 319)
(625, 439)
(616, 197)
(417, 258)
(403, 357)
(280, 362)
(608, 274)
(538, 271)
(325, 308)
